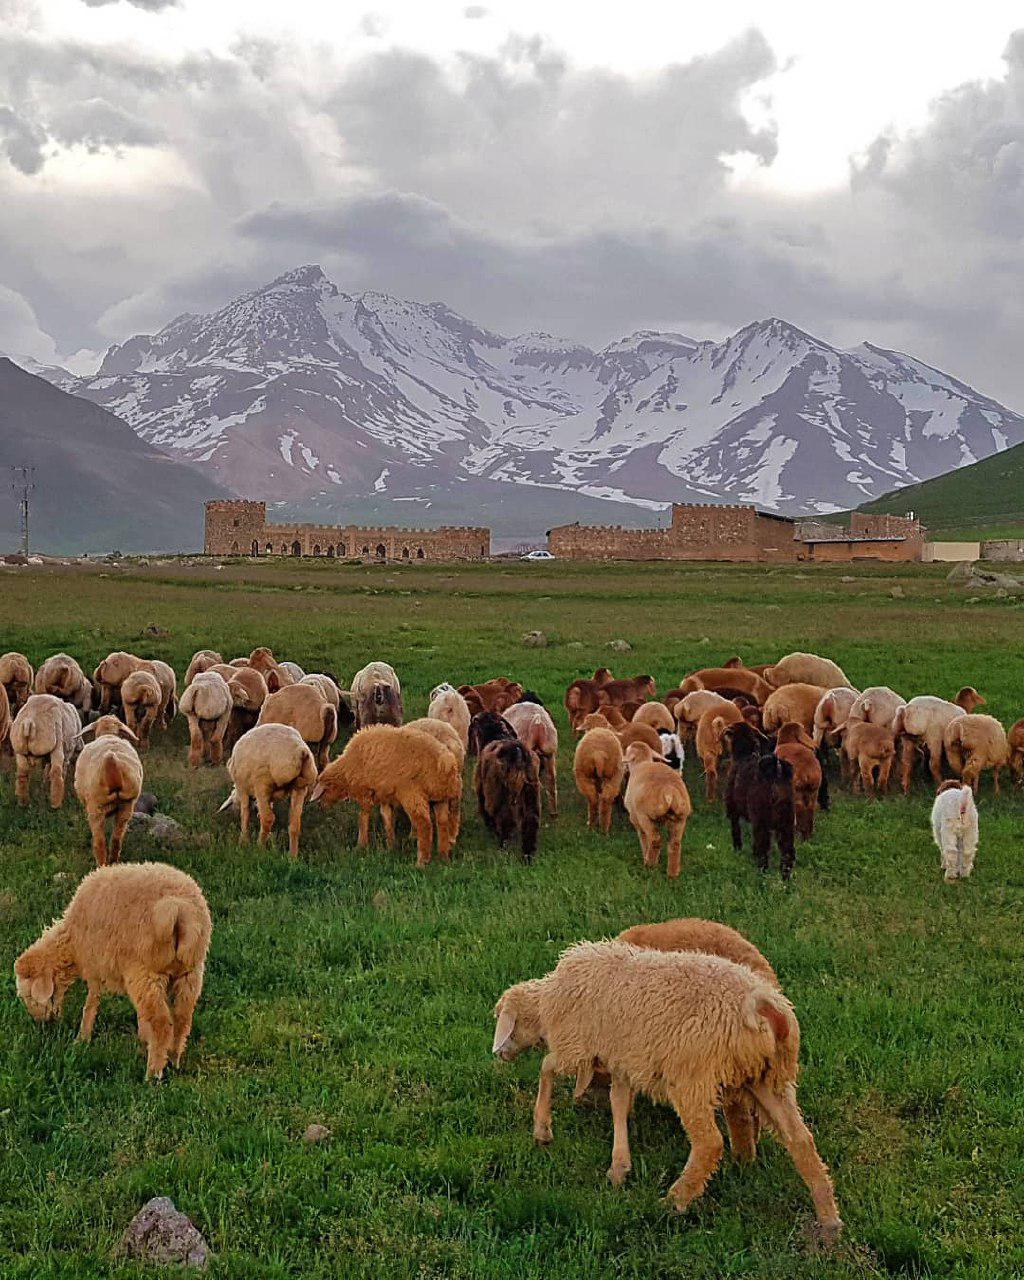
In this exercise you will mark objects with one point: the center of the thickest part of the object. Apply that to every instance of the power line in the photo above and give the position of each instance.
(22, 485)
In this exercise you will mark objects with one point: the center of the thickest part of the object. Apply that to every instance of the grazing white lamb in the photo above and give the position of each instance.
(955, 828)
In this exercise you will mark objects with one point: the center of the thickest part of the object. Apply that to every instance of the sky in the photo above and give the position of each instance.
(545, 167)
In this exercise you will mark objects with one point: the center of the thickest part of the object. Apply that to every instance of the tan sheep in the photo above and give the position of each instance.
(1015, 751)
(877, 705)
(248, 694)
(793, 702)
(920, 726)
(305, 708)
(108, 781)
(689, 709)
(657, 715)
(202, 660)
(331, 692)
(975, 743)
(377, 695)
(680, 1027)
(63, 678)
(806, 668)
(389, 766)
(536, 730)
(5, 718)
(140, 930)
(270, 762)
(110, 675)
(45, 731)
(449, 705)
(207, 705)
(443, 732)
(831, 712)
(16, 676)
(870, 751)
(731, 679)
(164, 675)
(710, 742)
(656, 797)
(141, 697)
(598, 766)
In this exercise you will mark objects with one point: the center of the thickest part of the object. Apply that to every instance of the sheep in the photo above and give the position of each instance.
(831, 712)
(877, 705)
(955, 829)
(140, 930)
(108, 677)
(444, 733)
(270, 762)
(168, 682)
(598, 767)
(760, 791)
(657, 715)
(672, 751)
(16, 676)
(1015, 751)
(63, 678)
(797, 702)
(304, 707)
(202, 660)
(921, 725)
(207, 704)
(108, 781)
(5, 718)
(488, 726)
(710, 742)
(248, 693)
(141, 697)
(449, 705)
(377, 695)
(810, 785)
(507, 787)
(680, 1027)
(644, 733)
(326, 684)
(386, 765)
(974, 743)
(581, 697)
(536, 729)
(493, 695)
(619, 693)
(733, 679)
(689, 709)
(870, 750)
(656, 797)
(45, 729)
(805, 668)
(294, 670)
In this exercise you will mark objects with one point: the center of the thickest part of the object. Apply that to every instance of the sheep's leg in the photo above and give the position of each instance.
(706, 1147)
(542, 1107)
(762, 844)
(97, 825)
(245, 815)
(949, 858)
(621, 1098)
(935, 761)
(155, 1026)
(455, 817)
(418, 812)
(675, 847)
(22, 767)
(92, 1005)
(298, 799)
(785, 1116)
(387, 817)
(995, 779)
(365, 814)
(184, 993)
(884, 770)
(56, 779)
(196, 743)
(265, 809)
(741, 1121)
(867, 776)
(121, 819)
(908, 751)
(650, 840)
(711, 781)
(550, 778)
(447, 815)
(737, 830)
(217, 741)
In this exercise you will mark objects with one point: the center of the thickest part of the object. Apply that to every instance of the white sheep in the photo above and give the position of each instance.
(955, 829)
(108, 781)
(45, 730)
(449, 705)
(207, 704)
(271, 762)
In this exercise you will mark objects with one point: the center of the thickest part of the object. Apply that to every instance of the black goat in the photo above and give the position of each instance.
(508, 793)
(760, 791)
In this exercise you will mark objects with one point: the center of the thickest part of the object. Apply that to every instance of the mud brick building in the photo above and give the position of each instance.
(240, 528)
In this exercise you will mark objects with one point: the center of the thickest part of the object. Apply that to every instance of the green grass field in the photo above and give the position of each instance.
(353, 990)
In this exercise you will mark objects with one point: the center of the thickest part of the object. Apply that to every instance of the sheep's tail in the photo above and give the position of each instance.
(767, 1005)
(951, 784)
(178, 922)
(899, 722)
(330, 723)
(114, 780)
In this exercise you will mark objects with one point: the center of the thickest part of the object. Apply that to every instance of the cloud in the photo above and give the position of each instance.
(20, 334)
(150, 6)
(474, 11)
(21, 141)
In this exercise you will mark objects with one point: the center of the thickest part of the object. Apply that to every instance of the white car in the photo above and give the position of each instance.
(538, 555)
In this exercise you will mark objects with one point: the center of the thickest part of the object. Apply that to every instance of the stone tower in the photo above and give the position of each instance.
(235, 528)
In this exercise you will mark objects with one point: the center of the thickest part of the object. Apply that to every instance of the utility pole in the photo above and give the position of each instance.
(22, 483)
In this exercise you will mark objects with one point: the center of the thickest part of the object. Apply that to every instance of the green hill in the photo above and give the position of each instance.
(983, 500)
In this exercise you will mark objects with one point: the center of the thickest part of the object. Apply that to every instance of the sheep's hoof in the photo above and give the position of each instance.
(618, 1174)
(542, 1134)
(678, 1198)
(826, 1234)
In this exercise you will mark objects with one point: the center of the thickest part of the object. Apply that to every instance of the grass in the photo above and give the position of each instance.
(352, 990)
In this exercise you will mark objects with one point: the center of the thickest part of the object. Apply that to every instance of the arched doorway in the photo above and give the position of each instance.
(405, 553)
(296, 548)
(419, 553)
(343, 550)
(316, 548)
(382, 551)
(234, 548)
(255, 548)
(270, 548)
(366, 551)
(330, 553)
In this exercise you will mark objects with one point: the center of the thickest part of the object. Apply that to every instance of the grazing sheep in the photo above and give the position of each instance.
(202, 660)
(536, 729)
(391, 766)
(598, 767)
(5, 718)
(710, 742)
(920, 726)
(16, 676)
(108, 781)
(493, 695)
(680, 1027)
(444, 733)
(326, 684)
(377, 696)
(793, 702)
(63, 678)
(672, 750)
(110, 675)
(622, 693)
(207, 705)
(294, 670)
(810, 785)
(831, 712)
(673, 697)
(449, 705)
(760, 791)
(656, 797)
(975, 743)
(689, 709)
(1015, 751)
(168, 682)
(270, 762)
(870, 750)
(141, 697)
(44, 730)
(140, 930)
(732, 679)
(304, 707)
(582, 697)
(644, 733)
(488, 726)
(955, 829)
(877, 705)
(805, 668)
(657, 715)
(248, 694)
(508, 793)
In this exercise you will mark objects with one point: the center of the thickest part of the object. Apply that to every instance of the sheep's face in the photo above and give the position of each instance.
(40, 992)
(518, 1021)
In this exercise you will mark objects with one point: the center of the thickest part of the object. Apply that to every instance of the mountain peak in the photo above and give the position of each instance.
(304, 277)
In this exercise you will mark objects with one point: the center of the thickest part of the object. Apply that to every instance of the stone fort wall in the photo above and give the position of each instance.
(240, 527)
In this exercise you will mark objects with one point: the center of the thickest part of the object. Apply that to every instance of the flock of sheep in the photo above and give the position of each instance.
(687, 1012)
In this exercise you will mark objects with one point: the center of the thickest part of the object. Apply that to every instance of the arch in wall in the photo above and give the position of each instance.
(419, 554)
(483, 551)
(296, 548)
(234, 548)
(284, 548)
(255, 548)
(330, 553)
(405, 553)
(270, 548)
(316, 548)
(366, 551)
(342, 550)
(381, 551)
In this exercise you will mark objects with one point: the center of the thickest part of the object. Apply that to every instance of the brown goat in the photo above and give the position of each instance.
(656, 797)
(870, 750)
(710, 742)
(597, 767)
(730, 678)
(508, 793)
(809, 784)
(792, 702)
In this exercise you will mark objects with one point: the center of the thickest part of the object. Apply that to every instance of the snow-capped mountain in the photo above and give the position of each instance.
(302, 393)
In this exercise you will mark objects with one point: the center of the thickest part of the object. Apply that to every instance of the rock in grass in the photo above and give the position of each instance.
(161, 1234)
(159, 827)
(897, 593)
(620, 646)
(316, 1133)
(535, 640)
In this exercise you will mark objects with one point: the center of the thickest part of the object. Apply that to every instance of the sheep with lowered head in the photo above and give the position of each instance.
(270, 762)
(831, 713)
(536, 730)
(955, 829)
(108, 781)
(202, 660)
(920, 727)
(877, 705)
(63, 678)
(805, 668)
(207, 705)
(656, 797)
(305, 708)
(680, 1027)
(16, 676)
(45, 731)
(598, 766)
(974, 743)
(446, 703)
(140, 930)
(141, 698)
(377, 695)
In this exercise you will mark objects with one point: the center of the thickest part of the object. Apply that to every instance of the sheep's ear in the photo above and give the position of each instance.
(41, 988)
(503, 1031)
(88, 731)
(273, 682)
(125, 732)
